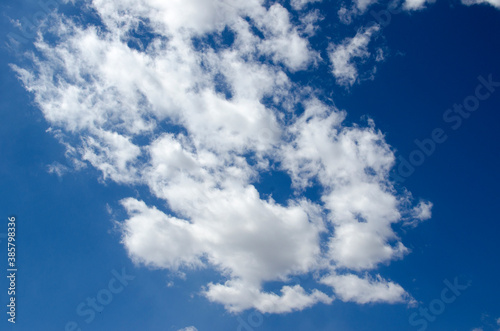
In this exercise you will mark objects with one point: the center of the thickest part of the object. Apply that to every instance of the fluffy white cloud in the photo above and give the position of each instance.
(238, 295)
(416, 4)
(495, 3)
(423, 210)
(365, 290)
(344, 55)
(198, 119)
(362, 5)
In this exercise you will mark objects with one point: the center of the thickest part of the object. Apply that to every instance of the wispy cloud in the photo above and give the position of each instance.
(495, 3)
(344, 55)
(189, 328)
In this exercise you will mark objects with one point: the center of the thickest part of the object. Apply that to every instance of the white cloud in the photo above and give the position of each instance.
(495, 3)
(416, 4)
(419, 213)
(238, 295)
(365, 290)
(309, 22)
(423, 210)
(113, 154)
(284, 44)
(57, 169)
(477, 329)
(346, 15)
(300, 4)
(344, 55)
(197, 124)
(189, 328)
(362, 5)
(359, 7)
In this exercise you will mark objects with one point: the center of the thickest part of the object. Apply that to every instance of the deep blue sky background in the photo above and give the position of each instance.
(68, 243)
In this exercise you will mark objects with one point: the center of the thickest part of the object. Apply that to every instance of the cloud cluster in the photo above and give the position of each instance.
(195, 100)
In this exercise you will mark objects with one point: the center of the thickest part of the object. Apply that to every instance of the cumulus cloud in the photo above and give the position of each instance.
(344, 55)
(196, 112)
(238, 296)
(365, 290)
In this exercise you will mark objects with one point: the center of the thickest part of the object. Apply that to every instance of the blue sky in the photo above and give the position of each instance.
(243, 165)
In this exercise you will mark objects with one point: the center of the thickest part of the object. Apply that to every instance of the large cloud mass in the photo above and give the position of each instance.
(195, 99)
